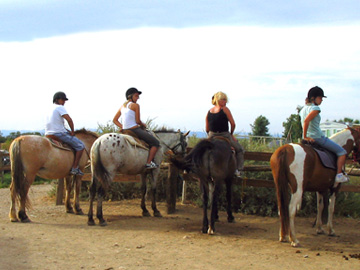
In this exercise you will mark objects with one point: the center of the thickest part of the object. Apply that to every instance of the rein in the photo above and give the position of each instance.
(181, 143)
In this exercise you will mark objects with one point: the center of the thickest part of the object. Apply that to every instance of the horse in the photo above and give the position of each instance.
(297, 167)
(33, 155)
(214, 162)
(119, 153)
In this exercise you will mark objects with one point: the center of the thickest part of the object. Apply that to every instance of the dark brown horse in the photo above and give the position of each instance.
(297, 168)
(214, 163)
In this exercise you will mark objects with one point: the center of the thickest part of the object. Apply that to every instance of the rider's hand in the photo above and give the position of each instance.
(311, 140)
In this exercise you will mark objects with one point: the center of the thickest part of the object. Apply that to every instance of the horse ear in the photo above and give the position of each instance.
(187, 133)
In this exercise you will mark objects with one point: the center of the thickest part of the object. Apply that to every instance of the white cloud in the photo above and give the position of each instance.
(265, 71)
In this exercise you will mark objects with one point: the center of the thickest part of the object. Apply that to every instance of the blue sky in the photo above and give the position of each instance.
(264, 54)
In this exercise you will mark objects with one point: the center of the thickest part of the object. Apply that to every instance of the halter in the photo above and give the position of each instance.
(182, 143)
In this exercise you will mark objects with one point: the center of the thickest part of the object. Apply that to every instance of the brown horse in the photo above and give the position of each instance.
(213, 161)
(298, 167)
(33, 155)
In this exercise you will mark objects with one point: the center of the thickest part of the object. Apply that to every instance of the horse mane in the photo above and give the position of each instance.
(86, 132)
(164, 130)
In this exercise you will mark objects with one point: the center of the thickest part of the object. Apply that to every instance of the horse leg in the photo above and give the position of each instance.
(230, 218)
(145, 212)
(99, 212)
(154, 176)
(320, 208)
(12, 213)
(68, 188)
(205, 198)
(92, 192)
(295, 204)
(24, 203)
(330, 228)
(77, 190)
(214, 189)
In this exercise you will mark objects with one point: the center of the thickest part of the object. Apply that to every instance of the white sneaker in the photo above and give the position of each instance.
(151, 165)
(237, 173)
(341, 178)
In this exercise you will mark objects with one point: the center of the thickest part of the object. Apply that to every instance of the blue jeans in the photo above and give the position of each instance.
(331, 146)
(70, 140)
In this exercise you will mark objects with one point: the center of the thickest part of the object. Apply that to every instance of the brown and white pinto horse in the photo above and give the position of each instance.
(299, 168)
(33, 155)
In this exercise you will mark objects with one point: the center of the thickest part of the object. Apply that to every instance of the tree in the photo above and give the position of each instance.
(2, 139)
(259, 128)
(293, 128)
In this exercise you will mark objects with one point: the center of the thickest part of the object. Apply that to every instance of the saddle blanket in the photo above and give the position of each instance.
(328, 159)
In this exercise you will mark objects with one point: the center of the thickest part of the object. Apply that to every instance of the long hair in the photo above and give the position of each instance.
(218, 96)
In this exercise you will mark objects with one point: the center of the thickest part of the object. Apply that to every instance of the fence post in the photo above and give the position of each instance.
(1, 165)
(171, 189)
(183, 197)
(60, 191)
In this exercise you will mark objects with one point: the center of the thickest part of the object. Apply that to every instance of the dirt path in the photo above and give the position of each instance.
(56, 240)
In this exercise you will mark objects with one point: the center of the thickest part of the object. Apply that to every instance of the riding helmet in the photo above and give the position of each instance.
(316, 91)
(131, 91)
(59, 95)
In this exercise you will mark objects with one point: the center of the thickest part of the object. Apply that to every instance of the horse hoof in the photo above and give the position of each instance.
(332, 234)
(14, 220)
(26, 220)
(231, 220)
(70, 211)
(146, 214)
(79, 213)
(157, 214)
(295, 244)
(91, 223)
(210, 231)
(282, 240)
(320, 232)
(103, 223)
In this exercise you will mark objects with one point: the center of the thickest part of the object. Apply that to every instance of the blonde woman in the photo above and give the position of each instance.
(217, 124)
(130, 114)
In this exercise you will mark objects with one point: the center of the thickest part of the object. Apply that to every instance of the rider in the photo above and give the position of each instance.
(130, 115)
(310, 120)
(55, 126)
(217, 124)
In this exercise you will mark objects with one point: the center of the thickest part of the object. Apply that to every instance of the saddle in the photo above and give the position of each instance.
(59, 144)
(328, 159)
(217, 137)
(133, 139)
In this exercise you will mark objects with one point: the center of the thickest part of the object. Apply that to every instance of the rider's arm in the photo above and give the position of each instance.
(307, 121)
(116, 118)
(231, 119)
(135, 107)
(70, 122)
(207, 128)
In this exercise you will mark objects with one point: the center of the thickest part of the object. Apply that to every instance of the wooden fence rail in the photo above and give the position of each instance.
(171, 186)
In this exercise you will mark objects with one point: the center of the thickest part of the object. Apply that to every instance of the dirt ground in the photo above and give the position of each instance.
(56, 240)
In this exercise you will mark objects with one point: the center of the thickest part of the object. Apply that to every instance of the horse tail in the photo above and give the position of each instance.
(19, 184)
(99, 172)
(280, 173)
(197, 153)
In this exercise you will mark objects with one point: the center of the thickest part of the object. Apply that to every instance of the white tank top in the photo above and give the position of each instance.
(128, 117)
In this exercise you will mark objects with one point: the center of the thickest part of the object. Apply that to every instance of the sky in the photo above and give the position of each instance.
(265, 55)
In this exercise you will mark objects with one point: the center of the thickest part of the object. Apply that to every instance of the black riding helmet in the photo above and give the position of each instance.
(131, 91)
(59, 95)
(314, 92)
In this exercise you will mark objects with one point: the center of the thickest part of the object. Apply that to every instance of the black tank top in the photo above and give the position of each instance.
(218, 122)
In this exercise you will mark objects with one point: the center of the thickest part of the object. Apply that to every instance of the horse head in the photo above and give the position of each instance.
(175, 141)
(356, 144)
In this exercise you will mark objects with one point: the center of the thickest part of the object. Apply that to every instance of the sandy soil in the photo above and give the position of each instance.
(56, 240)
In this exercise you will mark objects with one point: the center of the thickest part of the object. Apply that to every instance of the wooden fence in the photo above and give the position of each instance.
(173, 172)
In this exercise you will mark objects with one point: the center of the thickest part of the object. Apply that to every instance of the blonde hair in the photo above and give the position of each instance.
(218, 96)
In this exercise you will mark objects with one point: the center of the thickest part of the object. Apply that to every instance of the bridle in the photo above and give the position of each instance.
(182, 143)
